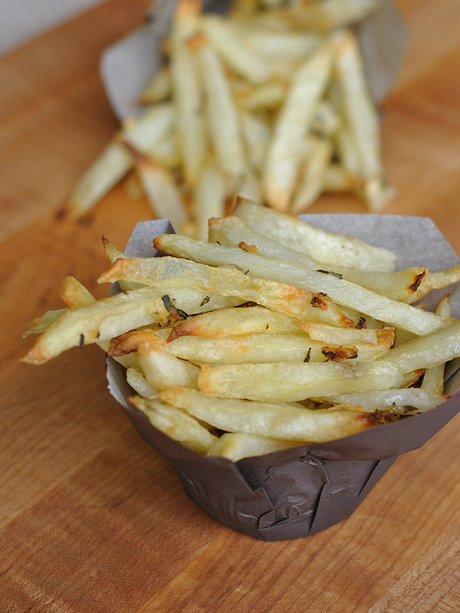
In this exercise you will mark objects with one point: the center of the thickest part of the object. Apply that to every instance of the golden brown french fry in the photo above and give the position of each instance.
(276, 420)
(232, 232)
(230, 283)
(246, 348)
(341, 291)
(74, 294)
(436, 280)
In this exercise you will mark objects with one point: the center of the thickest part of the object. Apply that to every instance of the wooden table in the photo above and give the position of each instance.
(94, 520)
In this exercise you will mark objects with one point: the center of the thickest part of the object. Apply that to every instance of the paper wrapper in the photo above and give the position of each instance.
(127, 66)
(300, 491)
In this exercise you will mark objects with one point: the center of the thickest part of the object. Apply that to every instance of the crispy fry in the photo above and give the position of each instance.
(340, 290)
(231, 231)
(236, 445)
(233, 322)
(247, 348)
(322, 246)
(176, 424)
(282, 421)
(231, 283)
(140, 384)
(292, 381)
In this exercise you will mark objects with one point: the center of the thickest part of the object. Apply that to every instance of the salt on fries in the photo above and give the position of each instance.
(269, 102)
(234, 353)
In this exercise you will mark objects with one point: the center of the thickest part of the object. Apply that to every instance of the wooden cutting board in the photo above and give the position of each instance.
(91, 518)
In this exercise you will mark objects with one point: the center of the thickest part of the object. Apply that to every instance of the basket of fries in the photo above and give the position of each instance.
(272, 101)
(251, 478)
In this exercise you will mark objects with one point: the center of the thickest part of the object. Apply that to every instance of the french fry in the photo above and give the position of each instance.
(339, 336)
(433, 378)
(269, 95)
(283, 161)
(362, 119)
(159, 87)
(74, 294)
(162, 192)
(188, 97)
(241, 58)
(145, 132)
(38, 325)
(222, 117)
(176, 424)
(282, 421)
(234, 322)
(293, 381)
(312, 182)
(230, 283)
(288, 46)
(106, 171)
(210, 196)
(140, 384)
(163, 370)
(235, 445)
(110, 317)
(341, 291)
(322, 246)
(257, 136)
(436, 280)
(232, 232)
(248, 348)
(397, 401)
(331, 14)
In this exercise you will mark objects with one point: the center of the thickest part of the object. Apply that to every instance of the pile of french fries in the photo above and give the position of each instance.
(269, 102)
(270, 334)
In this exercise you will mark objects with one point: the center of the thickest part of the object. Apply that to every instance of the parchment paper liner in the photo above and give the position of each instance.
(300, 491)
(127, 66)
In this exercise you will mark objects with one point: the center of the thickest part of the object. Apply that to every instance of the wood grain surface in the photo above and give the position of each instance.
(92, 520)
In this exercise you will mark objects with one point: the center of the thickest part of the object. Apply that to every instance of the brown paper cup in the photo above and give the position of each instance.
(302, 490)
